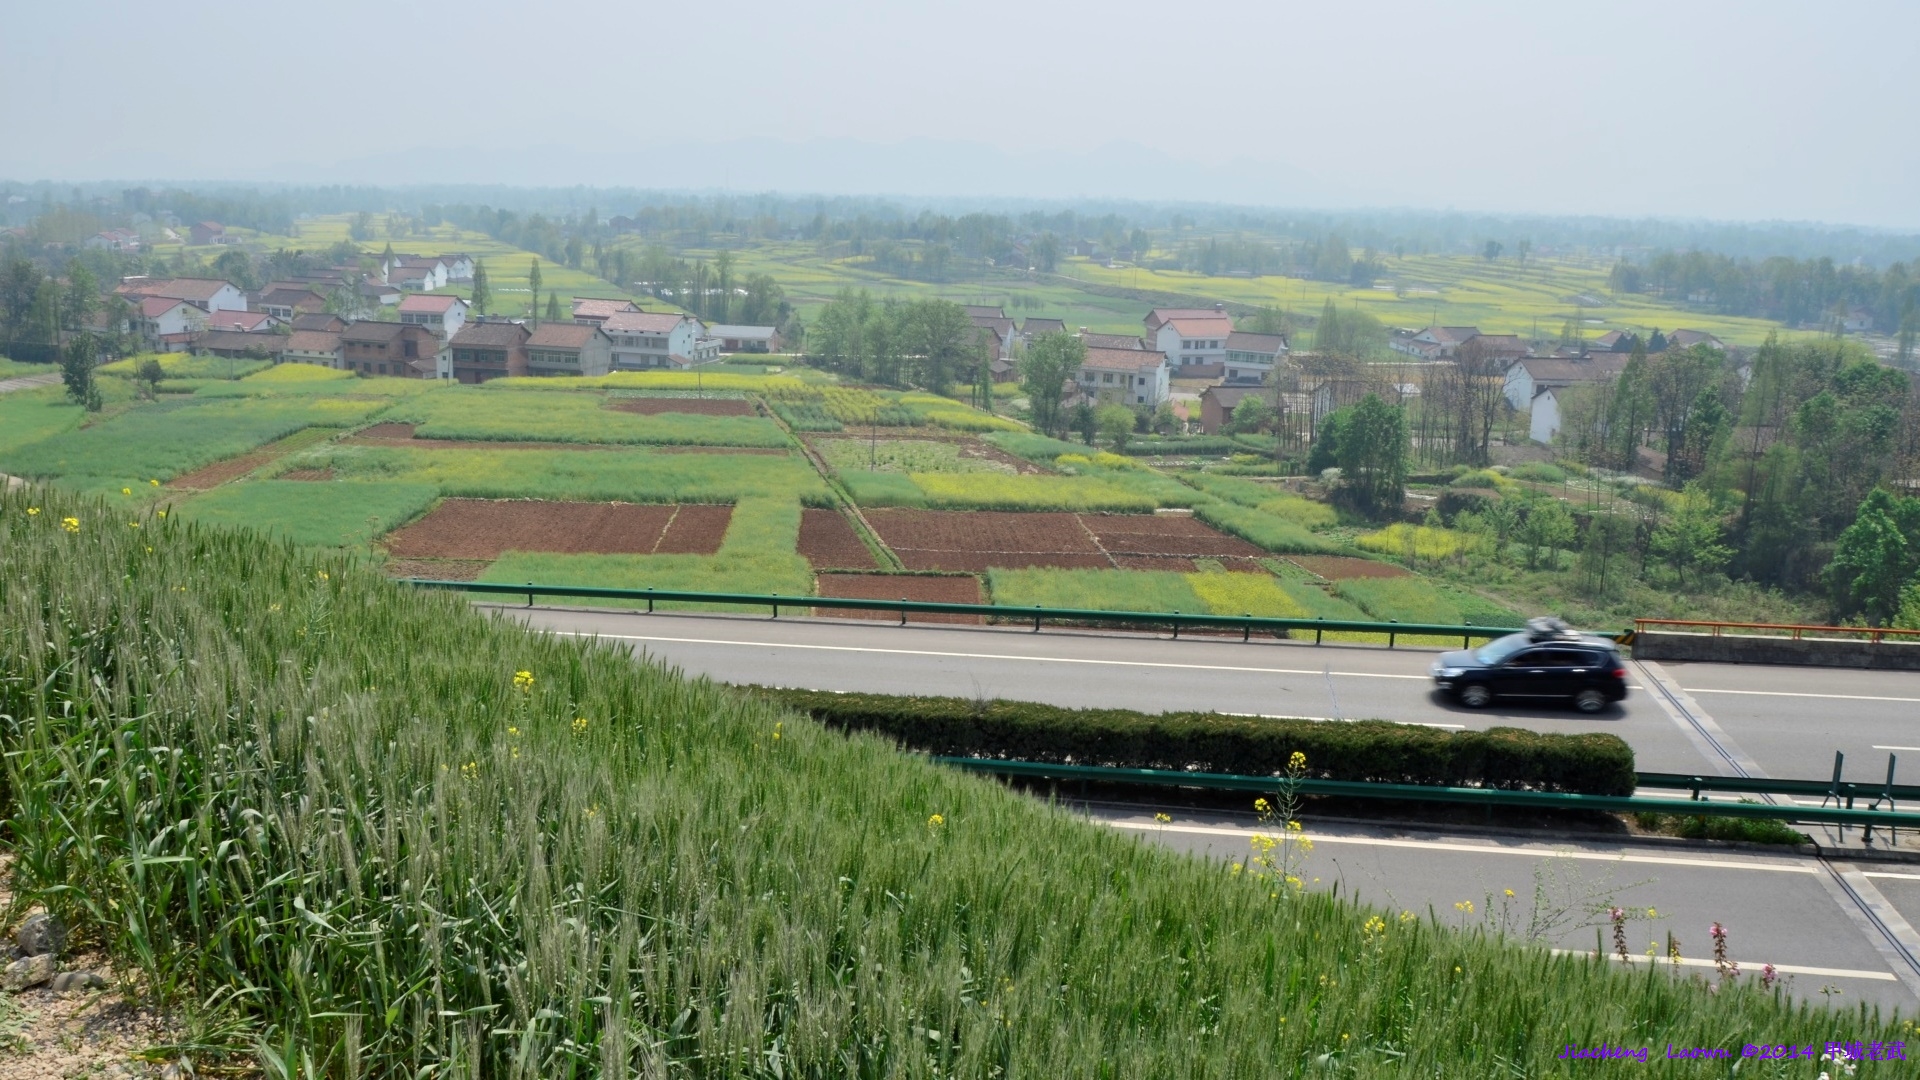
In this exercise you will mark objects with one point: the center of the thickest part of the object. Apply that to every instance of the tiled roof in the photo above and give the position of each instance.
(562, 335)
(319, 320)
(1247, 341)
(152, 307)
(498, 335)
(985, 311)
(238, 320)
(314, 341)
(598, 307)
(195, 289)
(1552, 371)
(1124, 359)
(435, 303)
(1043, 326)
(1211, 325)
(1112, 341)
(235, 340)
(643, 322)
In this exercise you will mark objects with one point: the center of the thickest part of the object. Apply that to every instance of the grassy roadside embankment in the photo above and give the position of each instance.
(378, 833)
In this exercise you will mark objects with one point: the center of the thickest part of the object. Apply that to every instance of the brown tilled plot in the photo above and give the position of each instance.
(486, 529)
(697, 406)
(221, 471)
(940, 590)
(972, 541)
(829, 542)
(402, 435)
(1336, 567)
(696, 529)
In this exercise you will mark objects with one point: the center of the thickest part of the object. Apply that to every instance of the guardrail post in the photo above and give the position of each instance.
(903, 612)
(649, 599)
(1246, 629)
(1036, 618)
(1833, 792)
(1391, 635)
(776, 605)
(1176, 626)
(1318, 630)
(529, 594)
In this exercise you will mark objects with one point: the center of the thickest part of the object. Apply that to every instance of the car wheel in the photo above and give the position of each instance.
(1590, 701)
(1475, 696)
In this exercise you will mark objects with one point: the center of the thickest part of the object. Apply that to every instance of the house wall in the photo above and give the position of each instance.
(1545, 423)
(1168, 340)
(1519, 388)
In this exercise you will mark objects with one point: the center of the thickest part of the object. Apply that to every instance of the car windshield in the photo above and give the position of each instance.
(1497, 650)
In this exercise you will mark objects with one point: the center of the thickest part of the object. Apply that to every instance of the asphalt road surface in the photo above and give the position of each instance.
(1843, 930)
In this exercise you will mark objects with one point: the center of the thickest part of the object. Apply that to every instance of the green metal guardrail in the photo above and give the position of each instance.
(1847, 790)
(1246, 624)
(1542, 800)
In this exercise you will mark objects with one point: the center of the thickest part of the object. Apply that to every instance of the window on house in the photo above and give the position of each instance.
(1106, 377)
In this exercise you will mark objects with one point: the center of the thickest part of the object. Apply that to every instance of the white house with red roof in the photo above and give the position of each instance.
(658, 339)
(1124, 377)
(442, 314)
(207, 294)
(166, 323)
(1193, 339)
(246, 322)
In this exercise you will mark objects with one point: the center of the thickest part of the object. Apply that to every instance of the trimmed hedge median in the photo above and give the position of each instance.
(1362, 750)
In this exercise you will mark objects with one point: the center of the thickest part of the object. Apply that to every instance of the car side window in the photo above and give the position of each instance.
(1529, 658)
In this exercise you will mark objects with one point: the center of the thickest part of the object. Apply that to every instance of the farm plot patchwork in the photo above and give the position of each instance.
(852, 454)
(940, 590)
(828, 542)
(485, 530)
(486, 414)
(977, 540)
(650, 406)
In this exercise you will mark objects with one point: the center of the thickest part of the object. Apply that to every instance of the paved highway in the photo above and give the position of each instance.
(1843, 925)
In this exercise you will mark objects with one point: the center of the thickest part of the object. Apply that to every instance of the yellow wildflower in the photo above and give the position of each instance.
(1296, 760)
(1464, 905)
(1162, 818)
(71, 524)
(33, 511)
(153, 483)
(470, 770)
(1261, 805)
(523, 681)
(936, 821)
(777, 725)
(161, 513)
(1509, 893)
(133, 524)
(126, 491)
(579, 725)
(513, 731)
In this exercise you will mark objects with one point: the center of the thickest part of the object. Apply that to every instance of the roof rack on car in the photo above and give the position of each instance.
(1547, 628)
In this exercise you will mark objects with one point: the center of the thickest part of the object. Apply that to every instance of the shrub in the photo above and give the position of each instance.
(1364, 750)
(1540, 472)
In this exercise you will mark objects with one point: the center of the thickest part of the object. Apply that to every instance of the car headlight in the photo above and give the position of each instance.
(1448, 672)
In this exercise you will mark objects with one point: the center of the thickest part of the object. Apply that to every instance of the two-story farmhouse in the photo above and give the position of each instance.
(390, 348)
(1193, 339)
(1250, 357)
(441, 313)
(489, 349)
(598, 309)
(1124, 377)
(562, 348)
(207, 294)
(658, 340)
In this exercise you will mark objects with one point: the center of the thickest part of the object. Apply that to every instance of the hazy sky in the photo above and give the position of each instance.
(1741, 110)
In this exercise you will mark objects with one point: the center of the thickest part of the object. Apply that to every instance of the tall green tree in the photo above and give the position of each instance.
(1050, 361)
(77, 362)
(533, 286)
(83, 296)
(1688, 541)
(553, 307)
(1373, 455)
(482, 288)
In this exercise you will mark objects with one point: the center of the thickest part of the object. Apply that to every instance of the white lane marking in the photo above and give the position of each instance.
(1891, 874)
(1789, 693)
(977, 656)
(1748, 966)
(1479, 849)
(1897, 747)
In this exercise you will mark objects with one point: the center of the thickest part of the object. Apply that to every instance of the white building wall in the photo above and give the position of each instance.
(1519, 388)
(1545, 423)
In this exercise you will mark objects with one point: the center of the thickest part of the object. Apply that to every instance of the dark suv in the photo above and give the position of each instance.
(1548, 661)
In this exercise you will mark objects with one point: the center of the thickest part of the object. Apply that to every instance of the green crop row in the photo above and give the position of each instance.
(595, 476)
(477, 413)
(360, 830)
(1274, 533)
(161, 440)
(313, 514)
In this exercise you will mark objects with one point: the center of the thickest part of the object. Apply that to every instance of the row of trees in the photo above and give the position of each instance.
(1794, 291)
(929, 343)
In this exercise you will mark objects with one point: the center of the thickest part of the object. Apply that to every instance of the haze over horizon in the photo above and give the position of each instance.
(1725, 111)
